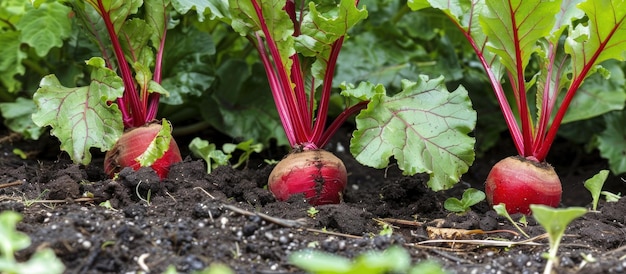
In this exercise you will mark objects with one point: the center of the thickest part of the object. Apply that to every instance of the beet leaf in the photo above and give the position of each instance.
(566, 41)
(424, 127)
(80, 117)
(125, 81)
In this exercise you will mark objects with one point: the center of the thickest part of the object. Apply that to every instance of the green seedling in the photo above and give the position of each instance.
(43, 261)
(501, 210)
(209, 152)
(555, 221)
(386, 231)
(393, 260)
(471, 196)
(147, 199)
(247, 147)
(215, 268)
(594, 185)
(215, 157)
(312, 212)
(20, 153)
(610, 197)
(107, 204)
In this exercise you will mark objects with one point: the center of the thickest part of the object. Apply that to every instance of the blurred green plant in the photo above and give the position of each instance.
(43, 261)
(393, 260)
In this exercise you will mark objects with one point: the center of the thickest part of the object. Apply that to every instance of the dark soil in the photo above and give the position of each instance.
(192, 219)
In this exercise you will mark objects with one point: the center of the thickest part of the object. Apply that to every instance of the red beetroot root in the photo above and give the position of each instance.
(519, 182)
(317, 174)
(132, 144)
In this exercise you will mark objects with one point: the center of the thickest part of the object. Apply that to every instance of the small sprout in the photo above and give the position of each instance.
(20, 153)
(147, 199)
(215, 157)
(501, 210)
(611, 197)
(594, 185)
(387, 230)
(107, 204)
(247, 147)
(270, 161)
(555, 221)
(11, 241)
(471, 196)
(209, 152)
(393, 260)
(106, 244)
(312, 212)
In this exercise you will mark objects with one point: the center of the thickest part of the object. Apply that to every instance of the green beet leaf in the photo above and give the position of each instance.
(320, 30)
(11, 61)
(246, 21)
(159, 145)
(82, 117)
(604, 35)
(118, 10)
(217, 8)
(599, 95)
(424, 127)
(611, 142)
(45, 27)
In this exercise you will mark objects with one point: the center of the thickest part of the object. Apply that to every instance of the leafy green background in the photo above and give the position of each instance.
(215, 80)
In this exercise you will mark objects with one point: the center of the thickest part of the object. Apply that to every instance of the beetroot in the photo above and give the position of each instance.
(317, 174)
(134, 143)
(519, 182)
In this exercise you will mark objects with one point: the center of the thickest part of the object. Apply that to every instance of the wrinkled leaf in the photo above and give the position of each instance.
(45, 27)
(216, 8)
(81, 117)
(611, 143)
(604, 35)
(11, 61)
(321, 28)
(246, 22)
(424, 127)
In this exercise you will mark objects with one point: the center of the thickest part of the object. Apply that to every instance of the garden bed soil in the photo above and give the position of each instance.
(191, 220)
